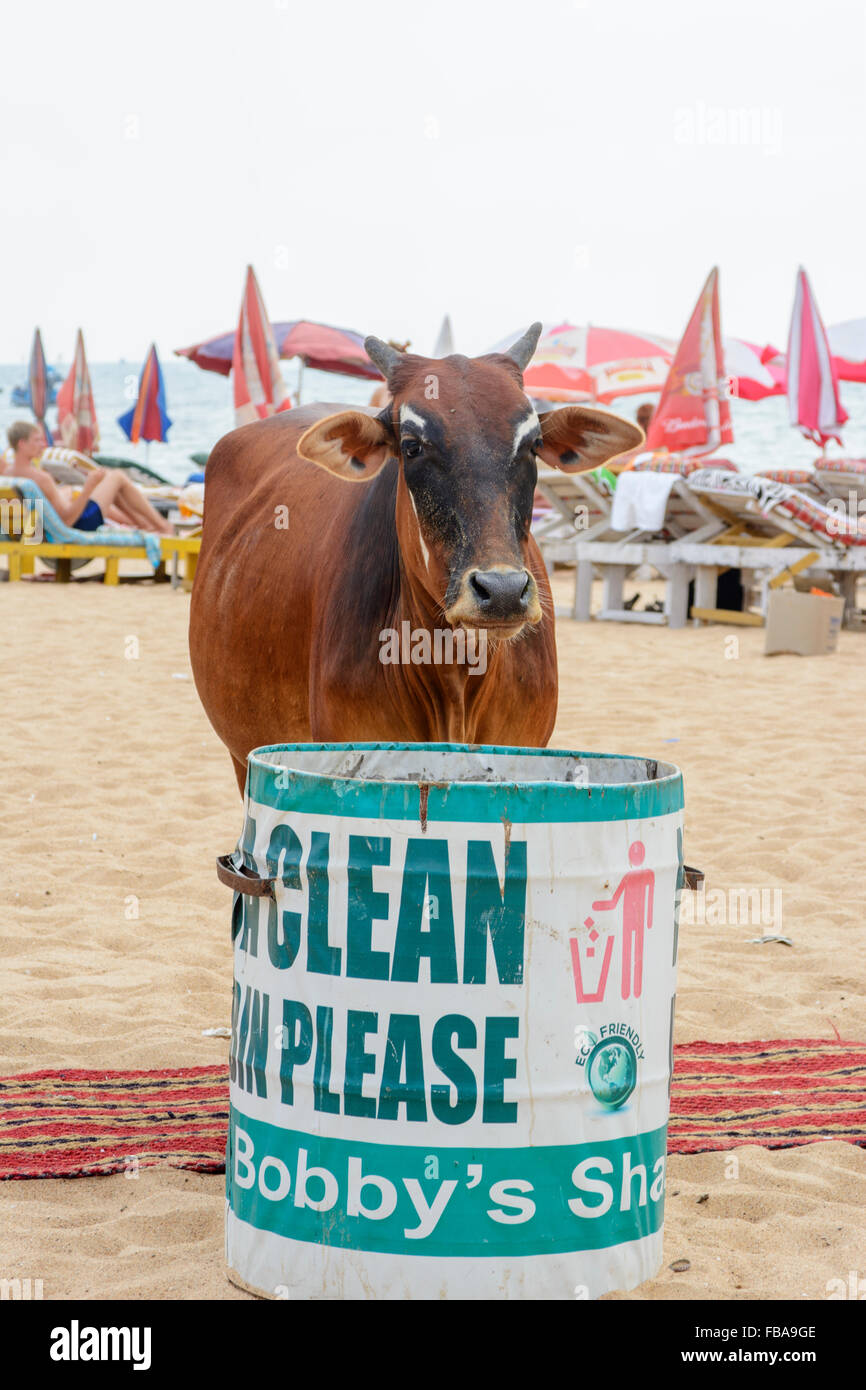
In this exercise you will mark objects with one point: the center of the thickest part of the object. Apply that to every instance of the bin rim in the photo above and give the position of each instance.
(327, 793)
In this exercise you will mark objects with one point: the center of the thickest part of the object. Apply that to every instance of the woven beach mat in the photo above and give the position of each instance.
(64, 1124)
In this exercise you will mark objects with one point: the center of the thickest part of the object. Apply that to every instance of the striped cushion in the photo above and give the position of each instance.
(841, 465)
(794, 477)
(676, 463)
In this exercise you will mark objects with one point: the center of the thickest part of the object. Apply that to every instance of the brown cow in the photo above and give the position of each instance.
(326, 534)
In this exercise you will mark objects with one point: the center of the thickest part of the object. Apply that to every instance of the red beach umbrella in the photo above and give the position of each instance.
(76, 412)
(318, 345)
(259, 389)
(694, 415)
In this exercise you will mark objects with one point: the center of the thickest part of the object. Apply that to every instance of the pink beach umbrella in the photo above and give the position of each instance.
(813, 385)
(694, 414)
(76, 412)
(259, 389)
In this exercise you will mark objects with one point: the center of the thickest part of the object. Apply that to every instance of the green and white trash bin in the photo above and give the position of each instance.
(454, 983)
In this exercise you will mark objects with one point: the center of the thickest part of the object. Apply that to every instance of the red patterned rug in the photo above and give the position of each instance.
(65, 1124)
(776, 1094)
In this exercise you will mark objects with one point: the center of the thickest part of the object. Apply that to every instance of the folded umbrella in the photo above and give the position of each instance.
(76, 411)
(38, 382)
(813, 384)
(694, 414)
(259, 389)
(148, 418)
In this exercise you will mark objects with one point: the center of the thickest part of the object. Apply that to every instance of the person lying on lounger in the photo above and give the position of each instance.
(104, 496)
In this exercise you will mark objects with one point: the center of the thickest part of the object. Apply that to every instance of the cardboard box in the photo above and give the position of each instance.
(806, 624)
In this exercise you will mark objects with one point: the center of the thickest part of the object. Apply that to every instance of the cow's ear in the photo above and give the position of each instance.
(577, 438)
(351, 444)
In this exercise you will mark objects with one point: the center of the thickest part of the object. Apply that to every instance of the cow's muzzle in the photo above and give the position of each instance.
(502, 598)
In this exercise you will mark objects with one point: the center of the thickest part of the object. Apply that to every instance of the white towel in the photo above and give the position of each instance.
(640, 501)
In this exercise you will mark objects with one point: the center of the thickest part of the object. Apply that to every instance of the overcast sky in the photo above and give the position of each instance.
(383, 162)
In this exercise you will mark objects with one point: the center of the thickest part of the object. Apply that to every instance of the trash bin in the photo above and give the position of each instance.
(452, 1021)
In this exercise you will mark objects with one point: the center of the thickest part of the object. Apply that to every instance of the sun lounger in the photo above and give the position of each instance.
(762, 528)
(765, 507)
(579, 504)
(617, 553)
(31, 528)
(838, 478)
(773, 529)
(579, 510)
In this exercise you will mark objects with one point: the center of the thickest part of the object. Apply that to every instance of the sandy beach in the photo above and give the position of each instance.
(119, 796)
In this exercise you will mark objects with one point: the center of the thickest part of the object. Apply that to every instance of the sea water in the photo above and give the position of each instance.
(200, 406)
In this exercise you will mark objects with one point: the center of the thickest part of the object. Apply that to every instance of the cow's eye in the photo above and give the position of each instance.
(411, 448)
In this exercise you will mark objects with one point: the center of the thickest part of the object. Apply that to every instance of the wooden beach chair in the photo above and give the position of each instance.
(839, 478)
(615, 555)
(579, 506)
(774, 531)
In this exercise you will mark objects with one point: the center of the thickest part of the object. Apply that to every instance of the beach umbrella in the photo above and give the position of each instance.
(753, 372)
(579, 363)
(76, 412)
(694, 415)
(848, 347)
(318, 345)
(37, 377)
(445, 342)
(259, 389)
(813, 386)
(148, 418)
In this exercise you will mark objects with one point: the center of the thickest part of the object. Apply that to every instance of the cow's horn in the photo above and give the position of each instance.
(385, 358)
(521, 351)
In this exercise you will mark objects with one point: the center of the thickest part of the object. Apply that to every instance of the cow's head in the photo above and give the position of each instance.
(468, 441)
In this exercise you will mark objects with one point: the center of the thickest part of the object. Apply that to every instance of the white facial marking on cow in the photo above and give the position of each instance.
(527, 426)
(410, 416)
(424, 551)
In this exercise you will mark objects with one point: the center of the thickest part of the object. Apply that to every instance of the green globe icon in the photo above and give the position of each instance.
(611, 1070)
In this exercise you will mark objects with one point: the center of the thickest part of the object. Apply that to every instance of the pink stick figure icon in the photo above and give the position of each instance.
(636, 886)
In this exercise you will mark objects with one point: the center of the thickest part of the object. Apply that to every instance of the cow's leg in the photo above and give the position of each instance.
(240, 772)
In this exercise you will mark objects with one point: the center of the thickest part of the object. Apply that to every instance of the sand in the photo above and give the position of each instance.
(119, 796)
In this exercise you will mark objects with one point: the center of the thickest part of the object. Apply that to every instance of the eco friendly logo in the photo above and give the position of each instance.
(609, 1060)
